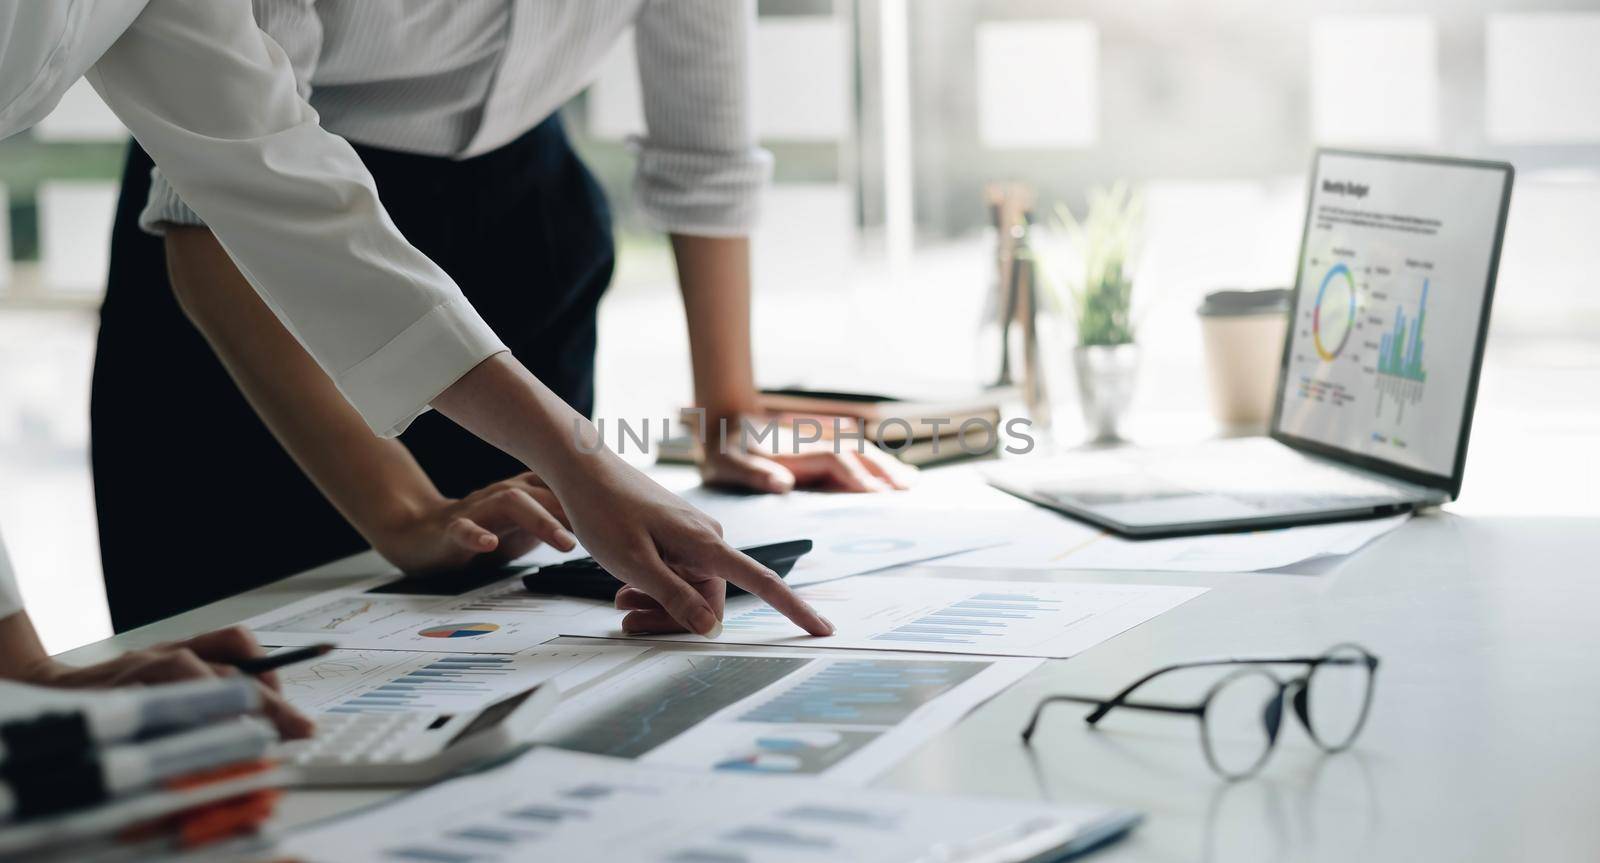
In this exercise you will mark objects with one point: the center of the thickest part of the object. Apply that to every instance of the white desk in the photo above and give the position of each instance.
(1484, 743)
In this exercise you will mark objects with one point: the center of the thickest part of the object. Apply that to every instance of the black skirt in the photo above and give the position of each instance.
(196, 500)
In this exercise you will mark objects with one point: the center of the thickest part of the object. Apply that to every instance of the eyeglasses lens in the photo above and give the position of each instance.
(1242, 719)
(1336, 697)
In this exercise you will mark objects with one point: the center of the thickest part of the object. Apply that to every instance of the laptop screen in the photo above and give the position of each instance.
(1394, 282)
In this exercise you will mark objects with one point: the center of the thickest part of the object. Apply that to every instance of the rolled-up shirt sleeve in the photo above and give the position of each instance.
(215, 103)
(699, 170)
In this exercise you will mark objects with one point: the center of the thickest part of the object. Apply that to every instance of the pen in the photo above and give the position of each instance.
(264, 664)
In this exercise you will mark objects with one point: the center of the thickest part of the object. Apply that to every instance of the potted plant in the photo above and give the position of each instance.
(1098, 282)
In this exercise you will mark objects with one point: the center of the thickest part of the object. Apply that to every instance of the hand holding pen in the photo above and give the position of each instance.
(214, 654)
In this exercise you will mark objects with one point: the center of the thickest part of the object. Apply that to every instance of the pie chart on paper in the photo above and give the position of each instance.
(459, 630)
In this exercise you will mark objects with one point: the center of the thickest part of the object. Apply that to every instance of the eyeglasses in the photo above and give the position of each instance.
(1242, 713)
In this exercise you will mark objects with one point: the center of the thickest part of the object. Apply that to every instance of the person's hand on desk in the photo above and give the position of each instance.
(208, 655)
(670, 553)
(777, 465)
(638, 531)
(494, 524)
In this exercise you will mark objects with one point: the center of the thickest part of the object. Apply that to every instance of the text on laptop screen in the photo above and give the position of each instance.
(1391, 290)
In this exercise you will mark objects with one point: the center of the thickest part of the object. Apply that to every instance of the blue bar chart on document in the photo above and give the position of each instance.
(389, 681)
(952, 615)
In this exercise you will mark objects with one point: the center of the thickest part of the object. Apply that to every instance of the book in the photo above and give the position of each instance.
(891, 418)
(945, 449)
(978, 443)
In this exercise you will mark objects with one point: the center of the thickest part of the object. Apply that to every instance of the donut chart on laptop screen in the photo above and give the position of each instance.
(1393, 279)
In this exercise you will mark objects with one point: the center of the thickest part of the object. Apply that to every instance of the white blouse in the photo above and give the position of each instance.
(459, 78)
(214, 102)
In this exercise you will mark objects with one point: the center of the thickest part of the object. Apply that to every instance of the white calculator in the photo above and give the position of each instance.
(410, 748)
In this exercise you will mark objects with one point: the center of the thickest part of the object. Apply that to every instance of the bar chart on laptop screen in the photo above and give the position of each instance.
(1400, 371)
(1392, 293)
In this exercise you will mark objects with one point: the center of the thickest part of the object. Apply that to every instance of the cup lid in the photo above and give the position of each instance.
(1235, 301)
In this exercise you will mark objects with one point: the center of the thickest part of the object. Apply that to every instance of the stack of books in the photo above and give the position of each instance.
(918, 430)
(129, 773)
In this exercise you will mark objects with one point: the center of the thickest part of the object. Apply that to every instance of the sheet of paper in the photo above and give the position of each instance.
(846, 716)
(555, 805)
(948, 615)
(851, 533)
(1038, 538)
(954, 518)
(392, 681)
(1056, 542)
(499, 618)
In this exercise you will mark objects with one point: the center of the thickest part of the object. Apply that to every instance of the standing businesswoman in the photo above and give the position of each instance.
(376, 322)
(451, 104)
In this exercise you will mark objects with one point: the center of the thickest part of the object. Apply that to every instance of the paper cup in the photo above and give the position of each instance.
(1243, 332)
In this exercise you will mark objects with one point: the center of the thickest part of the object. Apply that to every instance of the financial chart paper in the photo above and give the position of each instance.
(948, 615)
(554, 805)
(844, 715)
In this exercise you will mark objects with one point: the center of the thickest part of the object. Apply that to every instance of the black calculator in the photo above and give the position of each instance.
(587, 579)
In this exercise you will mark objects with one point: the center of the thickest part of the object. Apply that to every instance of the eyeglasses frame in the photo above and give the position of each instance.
(1300, 684)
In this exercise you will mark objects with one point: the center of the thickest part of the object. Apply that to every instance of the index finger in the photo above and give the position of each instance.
(739, 568)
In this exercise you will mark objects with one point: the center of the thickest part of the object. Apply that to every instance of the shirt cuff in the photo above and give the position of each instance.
(164, 207)
(394, 386)
(700, 193)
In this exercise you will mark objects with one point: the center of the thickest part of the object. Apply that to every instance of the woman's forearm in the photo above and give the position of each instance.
(374, 482)
(502, 402)
(714, 276)
(22, 656)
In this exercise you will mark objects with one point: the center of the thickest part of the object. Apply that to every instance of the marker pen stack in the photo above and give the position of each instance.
(67, 756)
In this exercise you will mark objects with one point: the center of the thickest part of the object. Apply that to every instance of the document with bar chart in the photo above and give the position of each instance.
(390, 681)
(565, 806)
(843, 715)
(501, 617)
(949, 615)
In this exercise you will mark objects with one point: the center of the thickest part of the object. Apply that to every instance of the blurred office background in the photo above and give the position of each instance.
(887, 118)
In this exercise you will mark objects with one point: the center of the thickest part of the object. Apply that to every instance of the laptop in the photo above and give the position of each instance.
(1378, 377)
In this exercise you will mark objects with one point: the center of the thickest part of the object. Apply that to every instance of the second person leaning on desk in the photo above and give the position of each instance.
(198, 84)
(451, 105)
